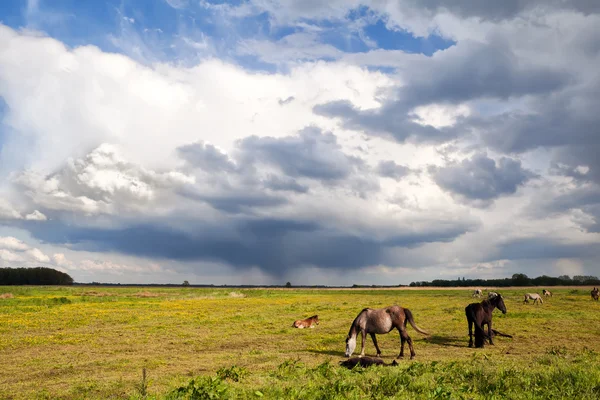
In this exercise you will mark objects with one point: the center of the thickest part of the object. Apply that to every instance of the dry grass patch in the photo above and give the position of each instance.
(146, 294)
(6, 296)
(93, 293)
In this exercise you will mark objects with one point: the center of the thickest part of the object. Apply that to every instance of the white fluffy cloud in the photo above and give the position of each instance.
(13, 250)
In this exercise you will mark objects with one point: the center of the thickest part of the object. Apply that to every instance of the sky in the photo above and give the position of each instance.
(322, 143)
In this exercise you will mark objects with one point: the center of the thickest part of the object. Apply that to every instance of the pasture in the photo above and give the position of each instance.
(95, 342)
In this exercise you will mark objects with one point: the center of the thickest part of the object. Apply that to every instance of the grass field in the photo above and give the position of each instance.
(94, 343)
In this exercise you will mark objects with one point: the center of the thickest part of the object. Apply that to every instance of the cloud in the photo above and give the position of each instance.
(36, 216)
(466, 72)
(311, 154)
(541, 248)
(177, 4)
(274, 245)
(7, 211)
(11, 243)
(482, 178)
(206, 157)
(390, 169)
(13, 250)
(101, 182)
(580, 201)
(179, 153)
(385, 122)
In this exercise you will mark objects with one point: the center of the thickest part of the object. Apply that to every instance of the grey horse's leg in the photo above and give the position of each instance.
(375, 343)
(405, 338)
(402, 340)
(363, 334)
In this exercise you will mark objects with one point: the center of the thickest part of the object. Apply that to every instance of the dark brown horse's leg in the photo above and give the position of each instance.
(375, 343)
(363, 333)
(490, 332)
(470, 333)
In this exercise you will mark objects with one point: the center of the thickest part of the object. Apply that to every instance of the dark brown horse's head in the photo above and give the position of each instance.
(498, 301)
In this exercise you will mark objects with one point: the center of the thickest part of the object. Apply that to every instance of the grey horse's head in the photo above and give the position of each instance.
(350, 345)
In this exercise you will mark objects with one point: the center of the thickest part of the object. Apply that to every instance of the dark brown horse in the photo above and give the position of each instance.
(365, 362)
(480, 314)
(306, 323)
(380, 321)
(595, 294)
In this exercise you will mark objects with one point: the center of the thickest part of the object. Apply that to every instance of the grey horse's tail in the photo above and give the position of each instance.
(409, 318)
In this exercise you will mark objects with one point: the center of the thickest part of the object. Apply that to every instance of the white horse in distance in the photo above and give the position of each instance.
(533, 296)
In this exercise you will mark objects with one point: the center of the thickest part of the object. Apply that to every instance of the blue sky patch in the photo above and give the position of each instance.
(153, 30)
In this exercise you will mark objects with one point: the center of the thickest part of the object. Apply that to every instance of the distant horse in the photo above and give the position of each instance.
(365, 362)
(380, 321)
(480, 314)
(547, 293)
(306, 323)
(492, 294)
(595, 294)
(477, 293)
(533, 296)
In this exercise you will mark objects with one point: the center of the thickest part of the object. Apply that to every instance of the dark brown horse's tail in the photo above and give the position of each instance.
(410, 319)
(498, 333)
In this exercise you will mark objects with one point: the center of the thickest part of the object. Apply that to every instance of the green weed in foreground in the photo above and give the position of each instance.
(578, 377)
(95, 342)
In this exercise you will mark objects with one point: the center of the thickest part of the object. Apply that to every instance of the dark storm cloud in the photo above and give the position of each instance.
(236, 201)
(585, 198)
(502, 10)
(274, 245)
(466, 72)
(475, 70)
(481, 178)
(390, 169)
(206, 157)
(278, 183)
(543, 248)
(568, 122)
(310, 154)
(386, 121)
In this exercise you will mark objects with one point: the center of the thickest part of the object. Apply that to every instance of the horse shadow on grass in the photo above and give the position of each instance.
(447, 341)
(328, 352)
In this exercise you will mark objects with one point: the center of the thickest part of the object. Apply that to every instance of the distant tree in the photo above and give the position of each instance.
(34, 276)
(186, 283)
(520, 280)
(288, 284)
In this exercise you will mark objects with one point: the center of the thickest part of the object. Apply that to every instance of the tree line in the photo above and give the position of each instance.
(515, 280)
(34, 276)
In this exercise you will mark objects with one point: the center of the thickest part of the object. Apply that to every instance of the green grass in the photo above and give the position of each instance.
(94, 342)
